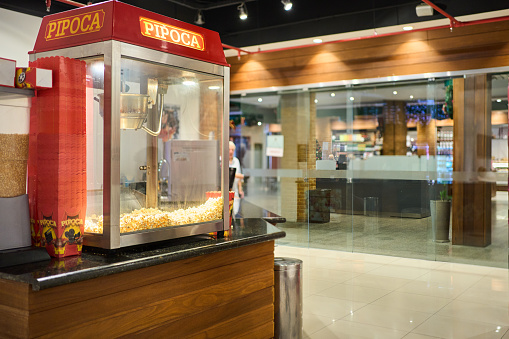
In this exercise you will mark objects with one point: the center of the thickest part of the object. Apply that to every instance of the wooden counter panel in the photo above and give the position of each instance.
(228, 294)
(91, 289)
(13, 309)
(146, 306)
(227, 321)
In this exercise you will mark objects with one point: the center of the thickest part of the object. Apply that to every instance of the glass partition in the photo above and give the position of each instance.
(414, 169)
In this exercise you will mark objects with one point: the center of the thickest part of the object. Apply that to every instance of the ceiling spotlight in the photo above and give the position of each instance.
(260, 99)
(407, 28)
(199, 19)
(287, 4)
(499, 100)
(424, 10)
(394, 92)
(242, 11)
(411, 97)
(317, 41)
(333, 94)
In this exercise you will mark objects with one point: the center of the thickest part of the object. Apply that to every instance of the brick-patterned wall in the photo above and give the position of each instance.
(298, 128)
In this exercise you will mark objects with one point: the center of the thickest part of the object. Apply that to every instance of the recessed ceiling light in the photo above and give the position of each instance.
(214, 87)
(407, 28)
(316, 101)
(352, 98)
(188, 82)
(260, 99)
(333, 94)
(411, 97)
(499, 100)
(259, 123)
(395, 92)
(317, 41)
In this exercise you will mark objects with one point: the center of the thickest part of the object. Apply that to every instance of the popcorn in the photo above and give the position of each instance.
(150, 218)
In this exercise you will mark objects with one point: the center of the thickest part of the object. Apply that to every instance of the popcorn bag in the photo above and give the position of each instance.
(57, 159)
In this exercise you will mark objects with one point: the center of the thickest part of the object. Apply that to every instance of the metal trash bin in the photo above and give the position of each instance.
(288, 298)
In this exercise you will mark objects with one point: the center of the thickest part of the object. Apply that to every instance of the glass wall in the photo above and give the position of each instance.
(414, 169)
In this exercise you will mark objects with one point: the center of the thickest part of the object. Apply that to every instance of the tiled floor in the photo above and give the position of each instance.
(355, 295)
(393, 236)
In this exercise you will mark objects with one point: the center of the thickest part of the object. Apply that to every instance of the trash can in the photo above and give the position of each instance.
(371, 206)
(319, 205)
(288, 298)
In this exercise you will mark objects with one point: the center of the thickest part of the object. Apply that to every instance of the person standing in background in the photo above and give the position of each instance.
(237, 183)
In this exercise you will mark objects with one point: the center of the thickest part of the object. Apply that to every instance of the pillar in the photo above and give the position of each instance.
(298, 114)
(395, 129)
(471, 202)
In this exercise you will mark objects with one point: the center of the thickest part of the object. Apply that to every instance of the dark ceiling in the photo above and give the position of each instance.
(268, 22)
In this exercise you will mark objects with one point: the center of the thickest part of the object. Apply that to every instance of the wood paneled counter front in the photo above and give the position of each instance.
(197, 286)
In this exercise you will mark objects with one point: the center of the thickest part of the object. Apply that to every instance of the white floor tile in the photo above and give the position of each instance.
(354, 293)
(464, 268)
(490, 314)
(418, 336)
(377, 281)
(342, 264)
(492, 283)
(497, 296)
(397, 319)
(451, 278)
(434, 289)
(331, 275)
(413, 302)
(329, 307)
(313, 323)
(397, 271)
(348, 329)
(417, 263)
(314, 286)
(448, 327)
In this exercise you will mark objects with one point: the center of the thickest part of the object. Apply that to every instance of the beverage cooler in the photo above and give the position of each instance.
(156, 122)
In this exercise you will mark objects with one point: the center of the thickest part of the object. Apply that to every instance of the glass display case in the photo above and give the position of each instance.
(156, 122)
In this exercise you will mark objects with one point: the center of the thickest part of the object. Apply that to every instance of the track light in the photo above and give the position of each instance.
(199, 19)
(242, 11)
(287, 4)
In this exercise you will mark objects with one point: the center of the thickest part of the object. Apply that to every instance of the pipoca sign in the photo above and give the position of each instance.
(175, 35)
(74, 25)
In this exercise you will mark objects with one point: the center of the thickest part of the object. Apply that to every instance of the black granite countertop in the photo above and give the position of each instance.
(94, 263)
(249, 210)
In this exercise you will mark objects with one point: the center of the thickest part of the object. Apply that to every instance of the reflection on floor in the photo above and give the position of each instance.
(402, 237)
(355, 295)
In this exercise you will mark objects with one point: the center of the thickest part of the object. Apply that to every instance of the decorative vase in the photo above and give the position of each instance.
(440, 219)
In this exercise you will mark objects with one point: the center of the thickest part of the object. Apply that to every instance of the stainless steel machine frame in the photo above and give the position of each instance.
(113, 51)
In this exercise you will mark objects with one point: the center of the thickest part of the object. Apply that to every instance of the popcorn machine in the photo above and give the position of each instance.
(156, 122)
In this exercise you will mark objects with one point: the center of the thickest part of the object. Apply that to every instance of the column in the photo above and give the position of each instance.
(471, 202)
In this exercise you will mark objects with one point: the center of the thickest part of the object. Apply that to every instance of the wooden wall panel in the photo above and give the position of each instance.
(440, 50)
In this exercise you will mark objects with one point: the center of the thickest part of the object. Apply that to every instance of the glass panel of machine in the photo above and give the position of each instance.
(95, 141)
(170, 170)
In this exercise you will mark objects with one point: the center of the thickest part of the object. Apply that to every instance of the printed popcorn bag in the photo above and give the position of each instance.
(57, 158)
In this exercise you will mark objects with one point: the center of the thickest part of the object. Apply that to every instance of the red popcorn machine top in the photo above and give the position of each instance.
(156, 98)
